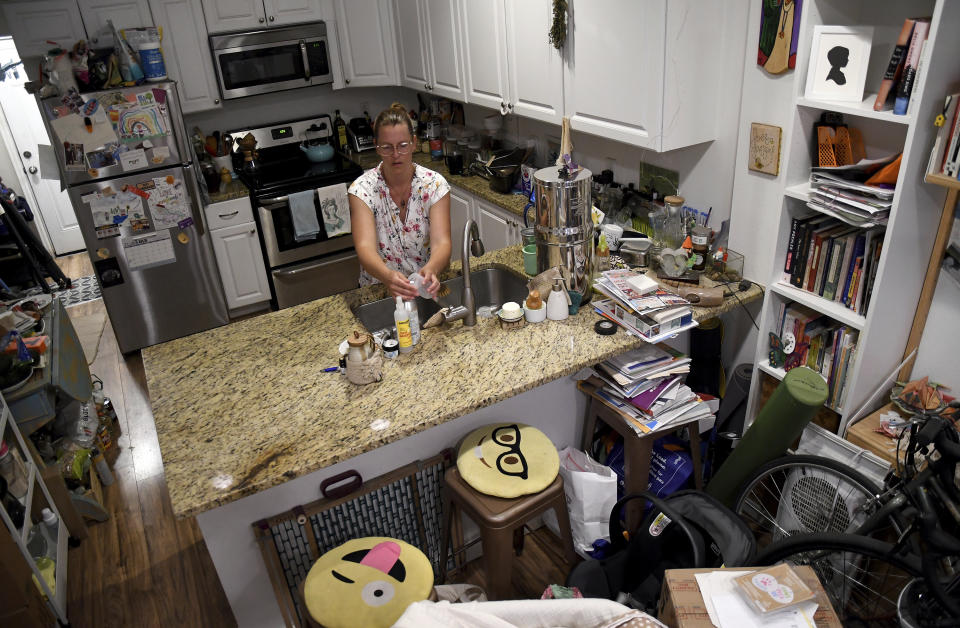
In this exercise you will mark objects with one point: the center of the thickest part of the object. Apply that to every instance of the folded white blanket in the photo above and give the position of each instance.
(581, 613)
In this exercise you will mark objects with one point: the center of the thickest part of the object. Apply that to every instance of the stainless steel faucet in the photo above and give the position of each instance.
(467, 311)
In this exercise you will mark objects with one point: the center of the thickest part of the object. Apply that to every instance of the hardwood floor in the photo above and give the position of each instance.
(76, 265)
(143, 567)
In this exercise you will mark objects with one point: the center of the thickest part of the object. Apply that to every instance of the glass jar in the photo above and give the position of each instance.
(700, 239)
(673, 234)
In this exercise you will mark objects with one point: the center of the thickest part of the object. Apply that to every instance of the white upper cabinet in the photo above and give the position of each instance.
(535, 66)
(368, 51)
(412, 40)
(234, 15)
(510, 64)
(187, 54)
(34, 23)
(443, 44)
(616, 85)
(123, 14)
(485, 53)
(428, 33)
(285, 12)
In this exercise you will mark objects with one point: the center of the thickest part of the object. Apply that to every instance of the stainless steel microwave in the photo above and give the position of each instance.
(271, 60)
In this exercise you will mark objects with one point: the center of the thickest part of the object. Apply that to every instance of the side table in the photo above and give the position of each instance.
(637, 449)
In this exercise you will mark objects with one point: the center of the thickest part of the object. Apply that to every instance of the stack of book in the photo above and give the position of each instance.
(945, 156)
(836, 191)
(646, 385)
(901, 73)
(820, 343)
(833, 260)
(638, 304)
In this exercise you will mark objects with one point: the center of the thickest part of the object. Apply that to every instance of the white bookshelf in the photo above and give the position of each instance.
(56, 600)
(912, 224)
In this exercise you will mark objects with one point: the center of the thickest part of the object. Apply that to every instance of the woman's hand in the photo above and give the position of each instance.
(431, 283)
(399, 286)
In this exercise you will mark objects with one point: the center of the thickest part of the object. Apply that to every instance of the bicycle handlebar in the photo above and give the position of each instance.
(935, 431)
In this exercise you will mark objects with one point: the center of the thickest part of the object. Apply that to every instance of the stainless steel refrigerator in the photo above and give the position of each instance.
(127, 164)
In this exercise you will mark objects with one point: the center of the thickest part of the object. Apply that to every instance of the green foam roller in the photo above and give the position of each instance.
(789, 409)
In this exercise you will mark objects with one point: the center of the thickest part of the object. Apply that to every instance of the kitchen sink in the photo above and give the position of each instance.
(492, 287)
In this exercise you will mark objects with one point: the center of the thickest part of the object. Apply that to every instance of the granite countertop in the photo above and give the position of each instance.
(234, 189)
(476, 185)
(245, 407)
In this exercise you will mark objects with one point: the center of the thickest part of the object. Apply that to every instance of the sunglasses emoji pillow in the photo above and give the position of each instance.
(508, 460)
(367, 582)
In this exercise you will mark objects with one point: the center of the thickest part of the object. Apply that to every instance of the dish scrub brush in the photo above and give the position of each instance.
(437, 319)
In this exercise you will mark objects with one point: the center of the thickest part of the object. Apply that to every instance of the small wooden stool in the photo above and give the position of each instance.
(498, 520)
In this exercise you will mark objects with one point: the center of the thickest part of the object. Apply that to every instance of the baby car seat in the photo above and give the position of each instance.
(685, 530)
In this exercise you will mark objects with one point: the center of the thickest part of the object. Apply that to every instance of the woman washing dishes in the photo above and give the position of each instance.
(400, 212)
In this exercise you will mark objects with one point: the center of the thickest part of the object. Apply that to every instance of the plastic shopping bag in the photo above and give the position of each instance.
(591, 491)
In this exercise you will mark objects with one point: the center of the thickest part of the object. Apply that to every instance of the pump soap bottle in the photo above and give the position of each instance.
(557, 308)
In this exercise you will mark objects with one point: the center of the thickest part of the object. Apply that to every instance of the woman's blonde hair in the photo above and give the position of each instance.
(395, 114)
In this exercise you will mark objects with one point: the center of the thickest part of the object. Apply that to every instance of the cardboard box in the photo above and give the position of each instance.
(681, 604)
(863, 434)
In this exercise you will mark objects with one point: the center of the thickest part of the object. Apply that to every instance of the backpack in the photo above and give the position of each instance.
(687, 529)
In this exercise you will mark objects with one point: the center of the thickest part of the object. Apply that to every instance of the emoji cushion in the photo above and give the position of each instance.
(367, 582)
(508, 460)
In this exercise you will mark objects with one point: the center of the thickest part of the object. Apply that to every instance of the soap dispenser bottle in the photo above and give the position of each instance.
(557, 309)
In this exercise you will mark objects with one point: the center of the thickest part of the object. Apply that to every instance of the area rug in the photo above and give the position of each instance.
(84, 289)
(89, 329)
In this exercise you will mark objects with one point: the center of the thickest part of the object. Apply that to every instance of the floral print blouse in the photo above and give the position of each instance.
(403, 246)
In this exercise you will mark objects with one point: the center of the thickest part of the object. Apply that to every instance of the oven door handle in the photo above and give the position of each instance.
(275, 203)
(306, 60)
(324, 262)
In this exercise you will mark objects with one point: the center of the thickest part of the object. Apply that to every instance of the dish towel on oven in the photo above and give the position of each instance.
(335, 209)
(304, 214)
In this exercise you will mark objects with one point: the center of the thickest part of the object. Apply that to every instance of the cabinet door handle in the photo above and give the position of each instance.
(216, 101)
(253, 232)
(261, 20)
(430, 87)
(230, 215)
(347, 81)
(272, 18)
(32, 170)
(426, 86)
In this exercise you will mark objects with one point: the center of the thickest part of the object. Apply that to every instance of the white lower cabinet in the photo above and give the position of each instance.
(237, 250)
(461, 210)
(498, 227)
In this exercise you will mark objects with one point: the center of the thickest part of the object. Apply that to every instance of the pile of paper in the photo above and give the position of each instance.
(839, 192)
(646, 384)
(728, 609)
(638, 304)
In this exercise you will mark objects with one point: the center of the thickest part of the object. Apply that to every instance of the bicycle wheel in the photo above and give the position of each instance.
(802, 494)
(862, 576)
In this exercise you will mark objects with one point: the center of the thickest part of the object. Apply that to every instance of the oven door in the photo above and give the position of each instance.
(246, 65)
(276, 225)
(315, 279)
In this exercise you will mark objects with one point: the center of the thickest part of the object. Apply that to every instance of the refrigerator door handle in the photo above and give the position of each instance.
(195, 202)
(175, 115)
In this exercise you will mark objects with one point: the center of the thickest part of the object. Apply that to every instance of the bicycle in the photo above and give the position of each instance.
(866, 576)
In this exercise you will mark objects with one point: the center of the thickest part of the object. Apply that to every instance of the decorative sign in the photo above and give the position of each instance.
(765, 148)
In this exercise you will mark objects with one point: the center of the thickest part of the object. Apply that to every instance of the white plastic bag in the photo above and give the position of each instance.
(591, 491)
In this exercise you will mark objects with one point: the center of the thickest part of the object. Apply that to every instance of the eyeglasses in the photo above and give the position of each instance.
(510, 462)
(402, 148)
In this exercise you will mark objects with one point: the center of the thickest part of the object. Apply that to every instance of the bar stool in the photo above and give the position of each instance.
(499, 519)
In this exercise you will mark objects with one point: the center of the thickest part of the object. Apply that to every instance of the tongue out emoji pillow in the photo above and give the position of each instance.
(367, 582)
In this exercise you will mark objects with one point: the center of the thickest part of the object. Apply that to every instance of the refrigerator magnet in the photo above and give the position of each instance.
(135, 159)
(73, 157)
(183, 237)
(103, 252)
(186, 222)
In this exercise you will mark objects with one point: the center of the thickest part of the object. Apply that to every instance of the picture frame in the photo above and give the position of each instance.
(837, 69)
(764, 155)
